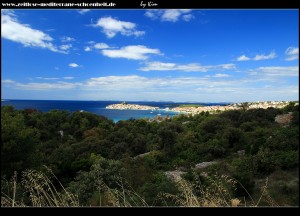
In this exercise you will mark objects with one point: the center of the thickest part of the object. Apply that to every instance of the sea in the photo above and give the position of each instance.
(99, 107)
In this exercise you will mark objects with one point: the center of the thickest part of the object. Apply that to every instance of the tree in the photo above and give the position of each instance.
(244, 106)
(167, 140)
(103, 173)
(235, 137)
(291, 107)
(157, 185)
(19, 144)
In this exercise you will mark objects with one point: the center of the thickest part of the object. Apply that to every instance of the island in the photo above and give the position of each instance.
(125, 106)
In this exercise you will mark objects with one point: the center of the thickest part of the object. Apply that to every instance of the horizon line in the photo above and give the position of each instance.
(160, 101)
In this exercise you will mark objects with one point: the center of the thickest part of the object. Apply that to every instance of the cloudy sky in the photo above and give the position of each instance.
(150, 55)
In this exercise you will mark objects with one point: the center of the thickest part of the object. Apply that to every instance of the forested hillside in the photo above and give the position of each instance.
(256, 159)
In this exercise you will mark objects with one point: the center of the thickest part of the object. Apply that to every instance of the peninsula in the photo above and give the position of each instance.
(196, 109)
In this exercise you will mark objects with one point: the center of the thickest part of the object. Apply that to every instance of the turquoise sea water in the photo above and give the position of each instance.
(98, 107)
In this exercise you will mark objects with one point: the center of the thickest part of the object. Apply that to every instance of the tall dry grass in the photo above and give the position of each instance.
(43, 193)
(124, 196)
(218, 193)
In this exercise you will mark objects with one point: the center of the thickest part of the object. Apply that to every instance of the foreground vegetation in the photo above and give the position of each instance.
(101, 163)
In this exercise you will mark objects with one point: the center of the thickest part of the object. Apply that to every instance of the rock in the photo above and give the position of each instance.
(174, 175)
(142, 155)
(61, 132)
(204, 164)
(241, 153)
(284, 119)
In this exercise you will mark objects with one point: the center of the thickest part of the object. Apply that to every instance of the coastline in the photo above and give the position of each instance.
(149, 110)
(190, 109)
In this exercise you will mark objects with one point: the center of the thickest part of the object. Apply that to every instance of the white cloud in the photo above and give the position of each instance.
(37, 86)
(137, 52)
(8, 81)
(65, 47)
(153, 14)
(135, 83)
(150, 66)
(83, 11)
(95, 45)
(47, 78)
(101, 46)
(275, 71)
(226, 66)
(170, 15)
(265, 57)
(67, 39)
(258, 57)
(46, 86)
(210, 89)
(243, 58)
(54, 78)
(292, 53)
(73, 65)
(87, 49)
(219, 75)
(116, 82)
(111, 27)
(13, 30)
(292, 58)
(187, 17)
(192, 67)
(207, 87)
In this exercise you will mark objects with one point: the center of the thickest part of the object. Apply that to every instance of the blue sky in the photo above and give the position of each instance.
(153, 55)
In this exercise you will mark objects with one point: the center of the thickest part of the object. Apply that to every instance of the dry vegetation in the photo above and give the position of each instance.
(43, 192)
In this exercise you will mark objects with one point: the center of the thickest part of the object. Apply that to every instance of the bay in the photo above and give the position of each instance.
(98, 107)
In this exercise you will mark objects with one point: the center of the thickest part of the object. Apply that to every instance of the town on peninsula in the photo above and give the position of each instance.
(196, 109)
